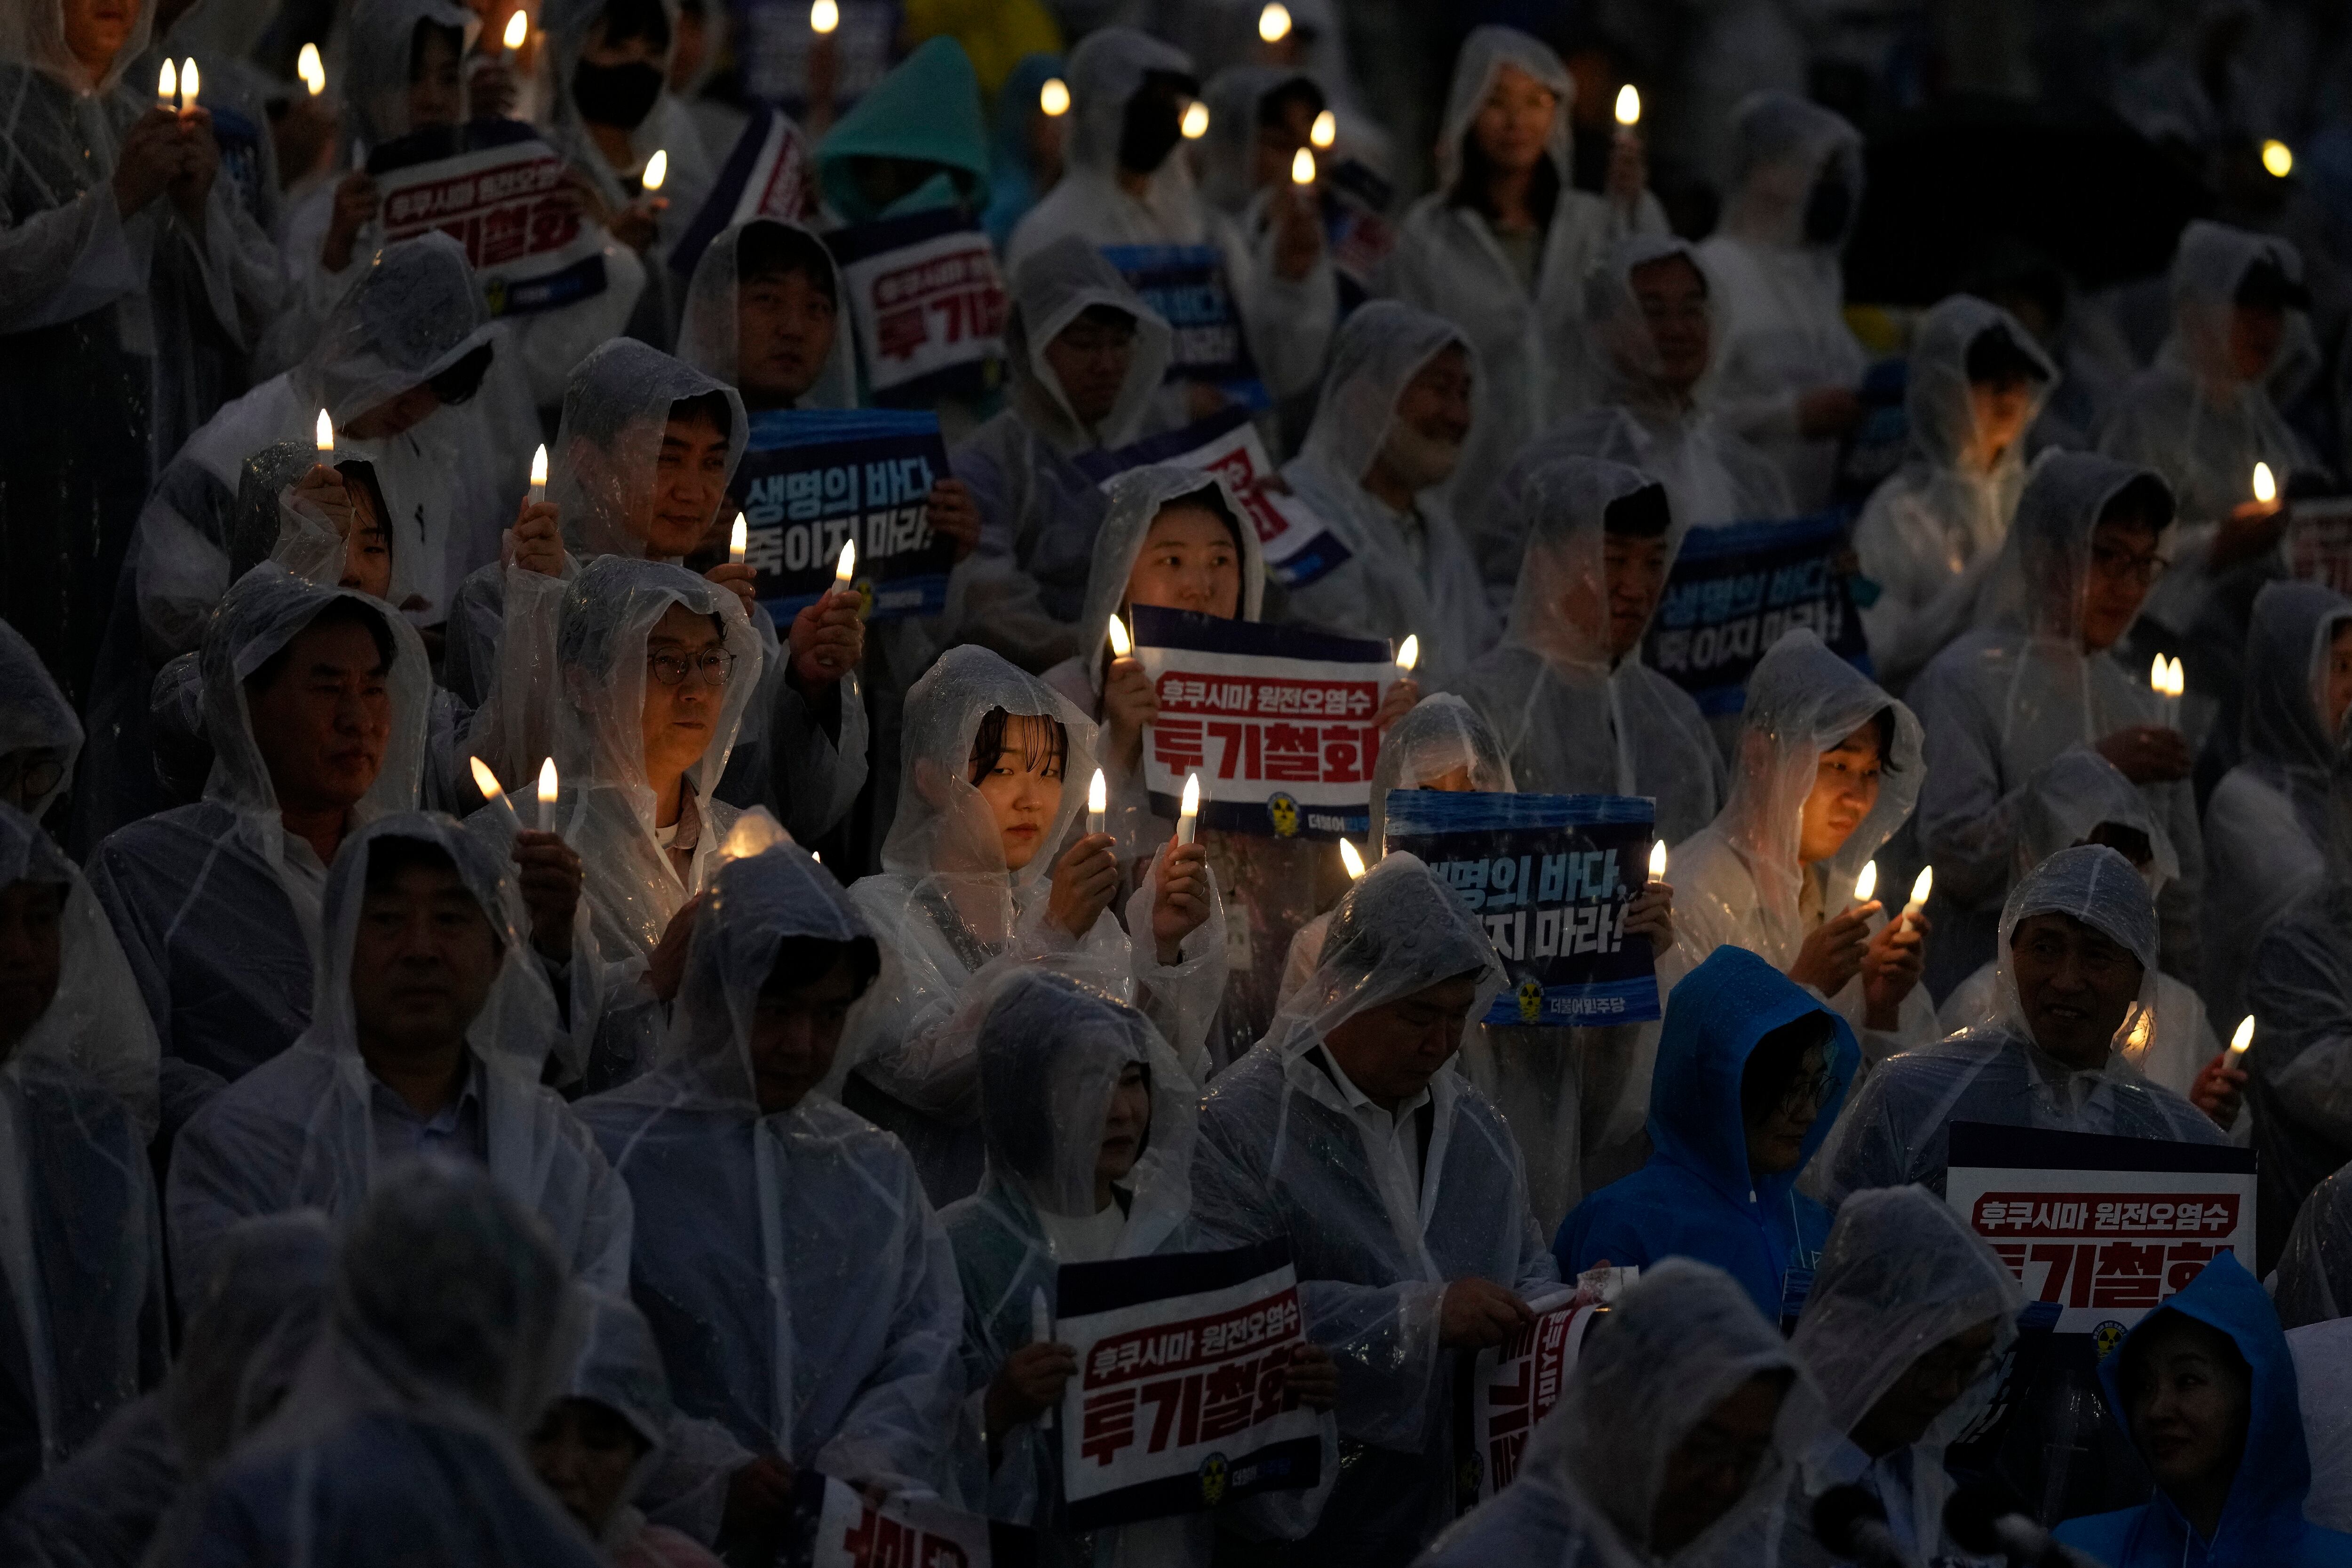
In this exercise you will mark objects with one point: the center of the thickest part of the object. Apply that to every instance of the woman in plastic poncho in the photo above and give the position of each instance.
(1930, 529)
(1825, 770)
(1089, 1124)
(1501, 248)
(1789, 364)
(2266, 830)
(2080, 798)
(1177, 538)
(981, 869)
(1682, 1420)
(2038, 677)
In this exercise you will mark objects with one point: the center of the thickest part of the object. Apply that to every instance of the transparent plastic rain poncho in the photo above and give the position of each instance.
(1282, 1154)
(1712, 475)
(302, 1130)
(1901, 1274)
(1402, 576)
(1894, 1132)
(1681, 1340)
(1574, 719)
(2189, 417)
(1739, 881)
(250, 1326)
(1937, 517)
(2003, 702)
(619, 1367)
(1530, 343)
(1779, 291)
(1271, 884)
(2066, 803)
(1286, 323)
(448, 1329)
(215, 904)
(709, 335)
(2267, 824)
(1039, 515)
(2299, 989)
(37, 723)
(81, 1264)
(800, 1287)
(1697, 1196)
(945, 909)
(616, 408)
(1051, 1053)
(2314, 1279)
(2322, 1375)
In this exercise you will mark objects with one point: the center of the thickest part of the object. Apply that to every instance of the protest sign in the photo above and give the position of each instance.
(812, 480)
(1277, 720)
(1187, 286)
(1735, 589)
(2107, 1227)
(1514, 1387)
(1180, 1401)
(505, 202)
(1297, 545)
(2319, 542)
(835, 1525)
(1549, 876)
(766, 175)
(928, 305)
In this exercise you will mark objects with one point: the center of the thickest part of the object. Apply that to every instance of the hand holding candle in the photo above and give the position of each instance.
(1188, 815)
(547, 792)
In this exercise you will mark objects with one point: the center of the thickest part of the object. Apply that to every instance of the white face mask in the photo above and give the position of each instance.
(1419, 461)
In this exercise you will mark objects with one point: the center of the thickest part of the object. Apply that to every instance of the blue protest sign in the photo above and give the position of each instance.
(1187, 286)
(814, 479)
(1735, 589)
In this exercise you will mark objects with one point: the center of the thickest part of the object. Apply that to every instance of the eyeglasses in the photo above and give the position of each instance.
(27, 776)
(715, 663)
(2127, 566)
(1810, 1089)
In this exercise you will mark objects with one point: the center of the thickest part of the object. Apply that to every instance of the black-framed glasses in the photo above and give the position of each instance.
(2127, 566)
(716, 664)
(1813, 1089)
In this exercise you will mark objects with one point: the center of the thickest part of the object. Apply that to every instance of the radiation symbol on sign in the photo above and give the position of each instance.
(2106, 1337)
(1214, 1480)
(1284, 811)
(1531, 1000)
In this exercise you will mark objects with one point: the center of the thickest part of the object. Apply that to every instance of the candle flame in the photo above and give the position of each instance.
(311, 69)
(325, 433)
(1192, 805)
(846, 567)
(2278, 158)
(1302, 167)
(1349, 858)
(2265, 487)
(486, 781)
(823, 16)
(656, 170)
(539, 466)
(1867, 883)
(1923, 885)
(1098, 794)
(189, 80)
(1657, 859)
(2158, 675)
(167, 84)
(1628, 105)
(1408, 652)
(1121, 645)
(517, 30)
(2175, 679)
(1054, 98)
(1274, 23)
(738, 539)
(1326, 129)
(547, 783)
(1196, 121)
(2243, 1037)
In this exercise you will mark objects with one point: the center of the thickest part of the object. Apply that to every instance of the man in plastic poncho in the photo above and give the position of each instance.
(1933, 527)
(81, 1281)
(801, 1289)
(2038, 677)
(2206, 1390)
(432, 1026)
(1681, 1421)
(1349, 1131)
(2077, 971)
(1399, 406)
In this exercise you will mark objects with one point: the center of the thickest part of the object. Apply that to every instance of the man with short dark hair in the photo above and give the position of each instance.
(436, 1029)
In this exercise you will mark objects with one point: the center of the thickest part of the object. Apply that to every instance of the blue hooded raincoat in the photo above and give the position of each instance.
(1696, 1197)
(2263, 1522)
